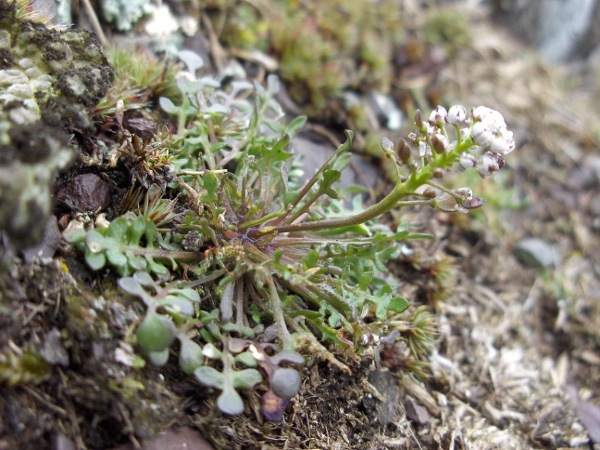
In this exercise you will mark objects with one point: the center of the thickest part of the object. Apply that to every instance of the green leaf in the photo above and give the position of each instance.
(311, 259)
(365, 280)
(159, 359)
(117, 229)
(190, 356)
(295, 126)
(247, 378)
(209, 377)
(210, 184)
(230, 401)
(155, 333)
(116, 257)
(136, 229)
(180, 305)
(95, 261)
(398, 304)
(167, 105)
(246, 359)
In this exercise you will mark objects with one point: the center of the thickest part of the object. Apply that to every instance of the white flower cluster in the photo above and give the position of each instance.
(485, 127)
(482, 129)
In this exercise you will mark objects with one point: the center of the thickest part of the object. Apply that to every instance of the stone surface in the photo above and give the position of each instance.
(387, 386)
(50, 81)
(534, 252)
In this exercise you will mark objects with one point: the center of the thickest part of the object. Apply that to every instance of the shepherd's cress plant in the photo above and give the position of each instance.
(282, 272)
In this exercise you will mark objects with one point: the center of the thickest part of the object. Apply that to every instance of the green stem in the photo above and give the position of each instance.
(284, 334)
(389, 202)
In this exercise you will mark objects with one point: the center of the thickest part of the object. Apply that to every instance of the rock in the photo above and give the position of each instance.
(417, 413)
(87, 192)
(535, 252)
(386, 384)
(50, 82)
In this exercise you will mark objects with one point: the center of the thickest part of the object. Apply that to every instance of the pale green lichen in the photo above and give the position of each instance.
(50, 81)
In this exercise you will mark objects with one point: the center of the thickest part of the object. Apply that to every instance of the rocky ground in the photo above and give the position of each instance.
(517, 363)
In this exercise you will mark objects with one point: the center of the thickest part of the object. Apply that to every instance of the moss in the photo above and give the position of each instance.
(323, 48)
(50, 81)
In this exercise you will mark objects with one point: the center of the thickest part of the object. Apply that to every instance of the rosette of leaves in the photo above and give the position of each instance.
(316, 283)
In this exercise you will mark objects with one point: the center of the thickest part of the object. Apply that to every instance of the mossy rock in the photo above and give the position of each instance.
(50, 82)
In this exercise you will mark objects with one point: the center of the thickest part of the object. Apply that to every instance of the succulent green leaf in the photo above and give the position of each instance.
(95, 261)
(192, 60)
(132, 286)
(189, 293)
(285, 383)
(116, 258)
(180, 305)
(230, 401)
(289, 356)
(144, 279)
(245, 379)
(117, 229)
(190, 355)
(246, 359)
(135, 229)
(155, 333)
(210, 377)
(159, 359)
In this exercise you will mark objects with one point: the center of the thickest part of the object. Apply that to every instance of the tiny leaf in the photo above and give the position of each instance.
(209, 377)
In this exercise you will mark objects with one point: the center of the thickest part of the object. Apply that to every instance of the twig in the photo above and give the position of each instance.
(95, 23)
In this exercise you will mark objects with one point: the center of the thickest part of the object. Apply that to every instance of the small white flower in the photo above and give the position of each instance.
(500, 145)
(488, 164)
(481, 134)
(467, 161)
(457, 115)
(424, 149)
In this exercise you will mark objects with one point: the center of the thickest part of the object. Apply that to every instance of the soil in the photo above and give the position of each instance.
(517, 363)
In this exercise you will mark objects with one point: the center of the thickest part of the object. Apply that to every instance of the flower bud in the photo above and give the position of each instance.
(438, 116)
(438, 173)
(403, 151)
(472, 203)
(429, 193)
(489, 163)
(464, 192)
(386, 144)
(440, 143)
(467, 161)
(419, 120)
(456, 115)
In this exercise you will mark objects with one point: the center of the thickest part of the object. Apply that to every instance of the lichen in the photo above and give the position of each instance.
(50, 81)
